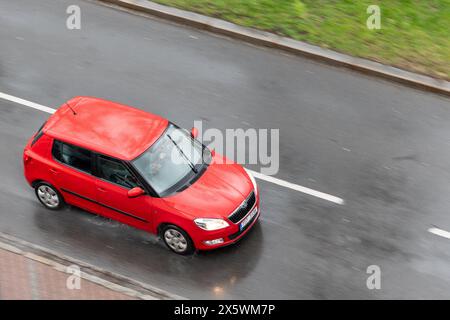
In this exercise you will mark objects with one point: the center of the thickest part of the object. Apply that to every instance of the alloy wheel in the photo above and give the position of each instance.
(175, 240)
(48, 196)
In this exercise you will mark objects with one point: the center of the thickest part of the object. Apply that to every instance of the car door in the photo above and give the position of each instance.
(113, 183)
(71, 173)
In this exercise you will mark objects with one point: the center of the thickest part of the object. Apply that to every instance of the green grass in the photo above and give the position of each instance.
(414, 34)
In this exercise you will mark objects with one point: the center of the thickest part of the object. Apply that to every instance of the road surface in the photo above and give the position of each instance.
(382, 147)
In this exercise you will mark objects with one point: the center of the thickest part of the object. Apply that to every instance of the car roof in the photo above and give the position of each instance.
(105, 127)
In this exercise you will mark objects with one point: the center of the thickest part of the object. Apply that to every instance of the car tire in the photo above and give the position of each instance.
(49, 196)
(177, 240)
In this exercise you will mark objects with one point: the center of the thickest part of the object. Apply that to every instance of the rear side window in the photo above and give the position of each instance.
(38, 134)
(76, 157)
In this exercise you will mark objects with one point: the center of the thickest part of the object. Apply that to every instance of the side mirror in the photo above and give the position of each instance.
(213, 152)
(135, 192)
(194, 132)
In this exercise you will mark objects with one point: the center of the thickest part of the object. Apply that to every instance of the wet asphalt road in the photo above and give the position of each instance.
(382, 147)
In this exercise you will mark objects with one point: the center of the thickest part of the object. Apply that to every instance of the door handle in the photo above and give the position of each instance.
(54, 171)
(101, 189)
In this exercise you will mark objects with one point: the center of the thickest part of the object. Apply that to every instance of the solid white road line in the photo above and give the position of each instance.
(440, 232)
(296, 187)
(257, 175)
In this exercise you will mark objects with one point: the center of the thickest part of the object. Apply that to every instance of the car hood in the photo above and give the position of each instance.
(216, 194)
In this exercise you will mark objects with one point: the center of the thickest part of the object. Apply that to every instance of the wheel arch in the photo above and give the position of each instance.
(35, 182)
(183, 226)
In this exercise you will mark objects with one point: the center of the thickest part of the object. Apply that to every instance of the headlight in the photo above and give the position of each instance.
(211, 224)
(250, 175)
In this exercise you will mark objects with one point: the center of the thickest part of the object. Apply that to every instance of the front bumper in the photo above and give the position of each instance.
(229, 235)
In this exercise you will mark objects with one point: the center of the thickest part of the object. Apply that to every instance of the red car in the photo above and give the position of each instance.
(142, 170)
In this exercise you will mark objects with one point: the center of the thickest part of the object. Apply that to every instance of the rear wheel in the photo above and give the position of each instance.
(49, 196)
(177, 240)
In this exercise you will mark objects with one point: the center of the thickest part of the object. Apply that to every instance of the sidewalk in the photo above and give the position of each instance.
(31, 272)
(22, 278)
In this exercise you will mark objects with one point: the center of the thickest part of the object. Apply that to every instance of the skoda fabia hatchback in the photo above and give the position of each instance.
(142, 170)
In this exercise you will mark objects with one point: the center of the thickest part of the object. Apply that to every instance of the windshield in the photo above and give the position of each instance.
(172, 162)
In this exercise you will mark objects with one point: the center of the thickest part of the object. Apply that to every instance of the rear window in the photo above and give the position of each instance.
(38, 134)
(76, 157)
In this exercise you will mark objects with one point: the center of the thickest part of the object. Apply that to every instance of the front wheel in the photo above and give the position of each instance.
(177, 240)
(49, 196)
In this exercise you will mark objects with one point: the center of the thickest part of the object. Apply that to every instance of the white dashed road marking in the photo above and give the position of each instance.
(257, 175)
(297, 187)
(440, 232)
(26, 103)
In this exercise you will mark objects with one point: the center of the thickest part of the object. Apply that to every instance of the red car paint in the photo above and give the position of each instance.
(124, 133)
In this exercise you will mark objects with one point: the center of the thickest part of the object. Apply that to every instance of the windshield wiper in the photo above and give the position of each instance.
(183, 154)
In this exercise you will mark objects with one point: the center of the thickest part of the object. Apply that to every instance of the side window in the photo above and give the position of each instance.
(73, 156)
(114, 171)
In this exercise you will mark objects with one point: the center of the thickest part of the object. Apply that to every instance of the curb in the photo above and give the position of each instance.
(110, 280)
(271, 40)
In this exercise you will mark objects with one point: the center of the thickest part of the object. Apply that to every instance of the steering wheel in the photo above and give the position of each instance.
(124, 180)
